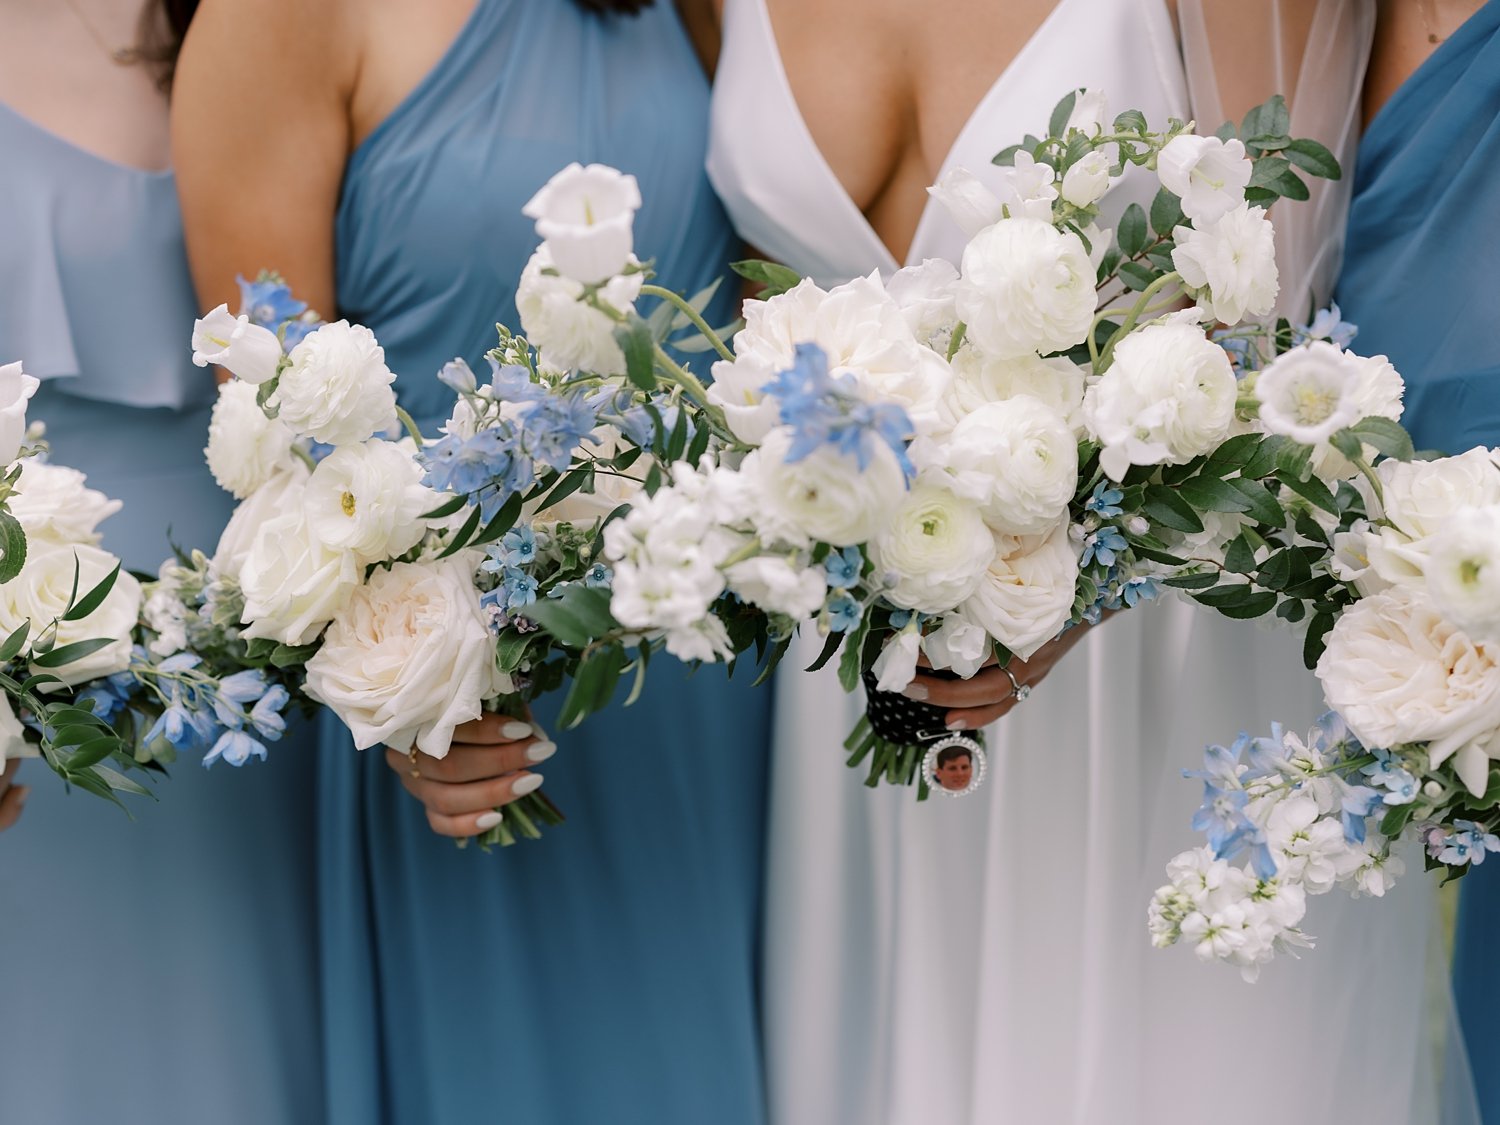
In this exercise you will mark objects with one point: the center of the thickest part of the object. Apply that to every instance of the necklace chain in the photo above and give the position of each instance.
(120, 56)
(1426, 8)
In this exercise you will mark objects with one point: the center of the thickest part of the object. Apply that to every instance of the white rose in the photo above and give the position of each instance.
(586, 215)
(1016, 459)
(1087, 180)
(1398, 672)
(1419, 499)
(959, 644)
(282, 493)
(338, 388)
(369, 499)
(1230, 263)
(16, 389)
(1207, 174)
(55, 506)
(569, 334)
(924, 294)
(1463, 571)
(13, 742)
(1026, 596)
(1026, 287)
(979, 378)
(1309, 393)
(825, 497)
(245, 350)
(934, 551)
(40, 593)
(777, 585)
(244, 446)
(294, 583)
(1168, 396)
(409, 658)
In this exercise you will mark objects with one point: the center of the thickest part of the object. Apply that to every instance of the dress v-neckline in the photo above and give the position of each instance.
(887, 258)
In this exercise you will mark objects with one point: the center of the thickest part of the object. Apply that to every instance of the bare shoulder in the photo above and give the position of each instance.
(288, 41)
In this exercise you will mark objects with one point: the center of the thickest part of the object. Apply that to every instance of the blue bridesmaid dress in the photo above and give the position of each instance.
(606, 973)
(159, 971)
(1420, 281)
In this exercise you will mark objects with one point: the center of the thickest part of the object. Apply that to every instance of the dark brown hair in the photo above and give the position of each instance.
(163, 24)
(616, 7)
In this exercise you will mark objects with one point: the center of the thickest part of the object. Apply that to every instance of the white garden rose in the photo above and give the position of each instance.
(1016, 459)
(934, 551)
(979, 378)
(586, 215)
(1087, 180)
(1026, 595)
(1207, 174)
(924, 294)
(1230, 264)
(958, 644)
(569, 334)
(1419, 498)
(1026, 287)
(40, 594)
(778, 584)
(282, 493)
(409, 658)
(337, 389)
(55, 505)
(1463, 572)
(293, 582)
(244, 446)
(1398, 671)
(825, 497)
(16, 389)
(247, 351)
(369, 499)
(13, 742)
(1168, 397)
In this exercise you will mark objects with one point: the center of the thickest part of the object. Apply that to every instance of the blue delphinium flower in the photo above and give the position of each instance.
(1242, 356)
(268, 303)
(844, 613)
(295, 331)
(1105, 544)
(1329, 324)
(1105, 501)
(598, 577)
(554, 426)
(235, 747)
(844, 568)
(266, 716)
(519, 547)
(1358, 804)
(1222, 817)
(511, 382)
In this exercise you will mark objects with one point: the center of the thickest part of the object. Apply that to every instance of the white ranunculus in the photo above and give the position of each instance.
(1399, 672)
(778, 585)
(934, 551)
(739, 390)
(369, 499)
(570, 334)
(825, 497)
(924, 294)
(247, 351)
(1087, 180)
(337, 389)
(1026, 596)
(1463, 572)
(409, 658)
(1016, 459)
(896, 664)
(1090, 113)
(1026, 287)
(587, 215)
(13, 742)
(979, 378)
(40, 593)
(16, 389)
(1168, 397)
(1230, 263)
(55, 505)
(293, 582)
(244, 446)
(1207, 174)
(1309, 393)
(282, 493)
(958, 644)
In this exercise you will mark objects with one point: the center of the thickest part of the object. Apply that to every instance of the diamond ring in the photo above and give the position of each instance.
(1018, 691)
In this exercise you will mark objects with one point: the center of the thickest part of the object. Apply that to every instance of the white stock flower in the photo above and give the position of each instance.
(957, 644)
(1026, 595)
(706, 640)
(1087, 180)
(934, 552)
(40, 593)
(778, 585)
(1398, 671)
(244, 446)
(570, 334)
(1026, 287)
(369, 499)
(1168, 396)
(825, 497)
(1230, 263)
(587, 215)
(16, 389)
(55, 505)
(1309, 393)
(924, 294)
(1463, 571)
(409, 658)
(896, 664)
(337, 389)
(245, 350)
(282, 493)
(1309, 847)
(979, 378)
(294, 583)
(1207, 174)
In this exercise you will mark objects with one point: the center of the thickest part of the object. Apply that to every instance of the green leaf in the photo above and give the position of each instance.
(67, 654)
(120, 783)
(1131, 233)
(1192, 581)
(1166, 213)
(1170, 510)
(94, 598)
(292, 656)
(15, 643)
(465, 533)
(1313, 490)
(1131, 121)
(1240, 557)
(1264, 507)
(641, 661)
(1309, 528)
(677, 443)
(570, 483)
(593, 685)
(1109, 264)
(1210, 494)
(1137, 276)
(773, 277)
(1276, 572)
(12, 546)
(446, 508)
(1263, 461)
(1227, 596)
(1390, 438)
(1347, 444)
(830, 646)
(1233, 454)
(92, 752)
(1006, 157)
(577, 617)
(1242, 607)
(504, 520)
(1317, 638)
(1314, 159)
(639, 346)
(1060, 114)
(1291, 611)
(777, 652)
(1154, 554)
(1293, 459)
(851, 663)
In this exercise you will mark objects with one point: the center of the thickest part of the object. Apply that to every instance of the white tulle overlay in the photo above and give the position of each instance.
(986, 960)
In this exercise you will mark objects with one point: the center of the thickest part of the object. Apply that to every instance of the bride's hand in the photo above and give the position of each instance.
(486, 767)
(12, 797)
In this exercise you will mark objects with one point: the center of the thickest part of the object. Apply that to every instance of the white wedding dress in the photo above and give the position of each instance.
(986, 960)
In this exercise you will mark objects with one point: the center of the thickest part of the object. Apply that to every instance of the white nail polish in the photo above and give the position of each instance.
(514, 730)
(488, 821)
(959, 724)
(914, 691)
(540, 751)
(528, 784)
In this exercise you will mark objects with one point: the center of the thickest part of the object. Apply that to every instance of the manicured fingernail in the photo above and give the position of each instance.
(488, 821)
(540, 751)
(958, 724)
(528, 784)
(515, 729)
(914, 691)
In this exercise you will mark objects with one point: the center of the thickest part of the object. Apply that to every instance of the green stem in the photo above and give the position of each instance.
(696, 391)
(692, 314)
(1142, 303)
(411, 426)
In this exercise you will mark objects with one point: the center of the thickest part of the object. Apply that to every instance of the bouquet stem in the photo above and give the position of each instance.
(522, 819)
(895, 763)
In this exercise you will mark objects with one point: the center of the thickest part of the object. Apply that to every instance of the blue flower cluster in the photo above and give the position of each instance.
(1469, 844)
(843, 569)
(1329, 324)
(824, 410)
(270, 304)
(230, 718)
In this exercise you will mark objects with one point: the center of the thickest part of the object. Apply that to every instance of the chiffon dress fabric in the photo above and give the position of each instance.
(987, 959)
(607, 972)
(158, 970)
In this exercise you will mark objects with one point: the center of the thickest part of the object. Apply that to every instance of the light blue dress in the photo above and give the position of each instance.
(606, 973)
(159, 971)
(1420, 280)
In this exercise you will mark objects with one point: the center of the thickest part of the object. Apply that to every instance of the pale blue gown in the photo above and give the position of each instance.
(607, 973)
(159, 971)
